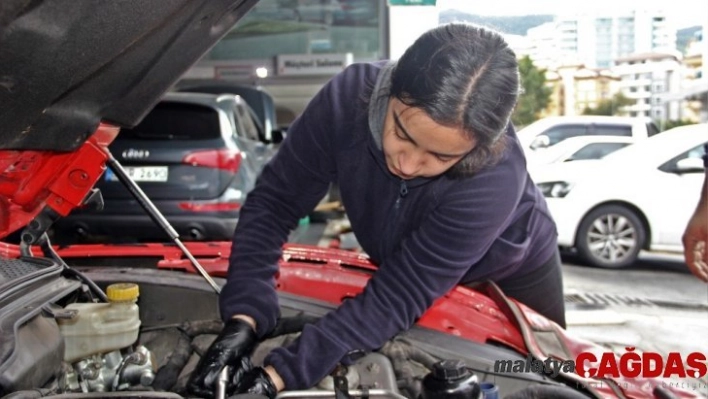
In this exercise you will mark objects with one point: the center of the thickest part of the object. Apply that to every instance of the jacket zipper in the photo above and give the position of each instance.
(393, 217)
(402, 192)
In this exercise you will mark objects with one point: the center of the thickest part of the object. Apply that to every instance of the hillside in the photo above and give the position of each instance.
(517, 25)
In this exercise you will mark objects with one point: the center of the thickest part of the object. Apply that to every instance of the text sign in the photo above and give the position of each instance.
(313, 64)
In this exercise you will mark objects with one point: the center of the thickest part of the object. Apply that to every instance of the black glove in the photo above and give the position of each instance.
(257, 381)
(233, 347)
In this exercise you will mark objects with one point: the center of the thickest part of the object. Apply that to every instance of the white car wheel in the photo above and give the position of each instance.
(611, 237)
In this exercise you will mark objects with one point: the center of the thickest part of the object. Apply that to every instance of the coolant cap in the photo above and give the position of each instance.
(122, 292)
(450, 369)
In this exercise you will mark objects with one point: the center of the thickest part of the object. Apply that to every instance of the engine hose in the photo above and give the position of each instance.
(94, 288)
(167, 375)
(401, 353)
(405, 377)
(46, 246)
(200, 327)
(420, 356)
(540, 391)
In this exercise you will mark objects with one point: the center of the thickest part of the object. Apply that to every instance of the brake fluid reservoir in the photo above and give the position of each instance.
(102, 327)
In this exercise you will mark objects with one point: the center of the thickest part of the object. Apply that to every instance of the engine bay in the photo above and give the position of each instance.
(61, 339)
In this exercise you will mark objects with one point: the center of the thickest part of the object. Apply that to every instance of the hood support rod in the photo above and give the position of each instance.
(156, 215)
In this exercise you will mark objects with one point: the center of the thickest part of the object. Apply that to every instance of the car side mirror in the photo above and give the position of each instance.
(690, 165)
(541, 141)
(277, 136)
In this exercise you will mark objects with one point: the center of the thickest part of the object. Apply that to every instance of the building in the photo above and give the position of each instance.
(576, 88)
(596, 40)
(648, 77)
(543, 48)
(693, 95)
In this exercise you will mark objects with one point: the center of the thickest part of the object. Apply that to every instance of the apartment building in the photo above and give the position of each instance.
(596, 40)
(647, 78)
(576, 87)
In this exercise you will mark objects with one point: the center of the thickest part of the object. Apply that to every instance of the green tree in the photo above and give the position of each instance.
(609, 107)
(672, 123)
(535, 95)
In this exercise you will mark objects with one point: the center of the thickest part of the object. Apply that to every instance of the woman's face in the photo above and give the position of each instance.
(417, 146)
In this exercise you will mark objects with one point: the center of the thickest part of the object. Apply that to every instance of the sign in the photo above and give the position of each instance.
(411, 2)
(312, 64)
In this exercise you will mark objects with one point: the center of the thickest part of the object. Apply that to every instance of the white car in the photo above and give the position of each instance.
(637, 198)
(549, 131)
(578, 149)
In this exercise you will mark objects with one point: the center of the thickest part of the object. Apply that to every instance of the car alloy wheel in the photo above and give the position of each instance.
(610, 236)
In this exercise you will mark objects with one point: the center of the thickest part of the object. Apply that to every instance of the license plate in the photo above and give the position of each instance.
(141, 173)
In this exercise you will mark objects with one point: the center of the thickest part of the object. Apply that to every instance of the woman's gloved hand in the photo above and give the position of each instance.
(233, 347)
(257, 381)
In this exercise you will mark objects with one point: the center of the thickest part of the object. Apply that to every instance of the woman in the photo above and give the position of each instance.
(435, 186)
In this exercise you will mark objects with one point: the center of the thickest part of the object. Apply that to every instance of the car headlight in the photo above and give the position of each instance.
(555, 189)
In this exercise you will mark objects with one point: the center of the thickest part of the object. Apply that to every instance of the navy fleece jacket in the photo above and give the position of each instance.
(426, 235)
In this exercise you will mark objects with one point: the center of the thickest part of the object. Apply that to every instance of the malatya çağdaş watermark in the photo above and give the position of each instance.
(610, 365)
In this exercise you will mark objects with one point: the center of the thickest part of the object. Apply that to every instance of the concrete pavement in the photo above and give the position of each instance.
(655, 306)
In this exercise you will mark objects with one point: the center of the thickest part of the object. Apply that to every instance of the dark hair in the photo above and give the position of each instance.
(466, 77)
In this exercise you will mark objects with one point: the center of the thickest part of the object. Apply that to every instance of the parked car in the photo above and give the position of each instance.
(636, 198)
(260, 102)
(578, 149)
(196, 156)
(129, 321)
(552, 130)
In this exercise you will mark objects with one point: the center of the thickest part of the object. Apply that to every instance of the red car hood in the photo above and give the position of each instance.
(68, 66)
(332, 275)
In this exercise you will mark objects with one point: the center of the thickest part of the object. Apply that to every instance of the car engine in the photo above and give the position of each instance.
(125, 332)
(58, 337)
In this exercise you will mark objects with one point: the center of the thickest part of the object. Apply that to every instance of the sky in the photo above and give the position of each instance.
(685, 13)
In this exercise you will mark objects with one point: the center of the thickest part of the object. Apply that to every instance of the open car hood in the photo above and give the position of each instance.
(67, 67)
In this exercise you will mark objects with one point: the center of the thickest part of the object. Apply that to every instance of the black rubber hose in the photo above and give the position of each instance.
(94, 288)
(167, 376)
(199, 327)
(48, 250)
